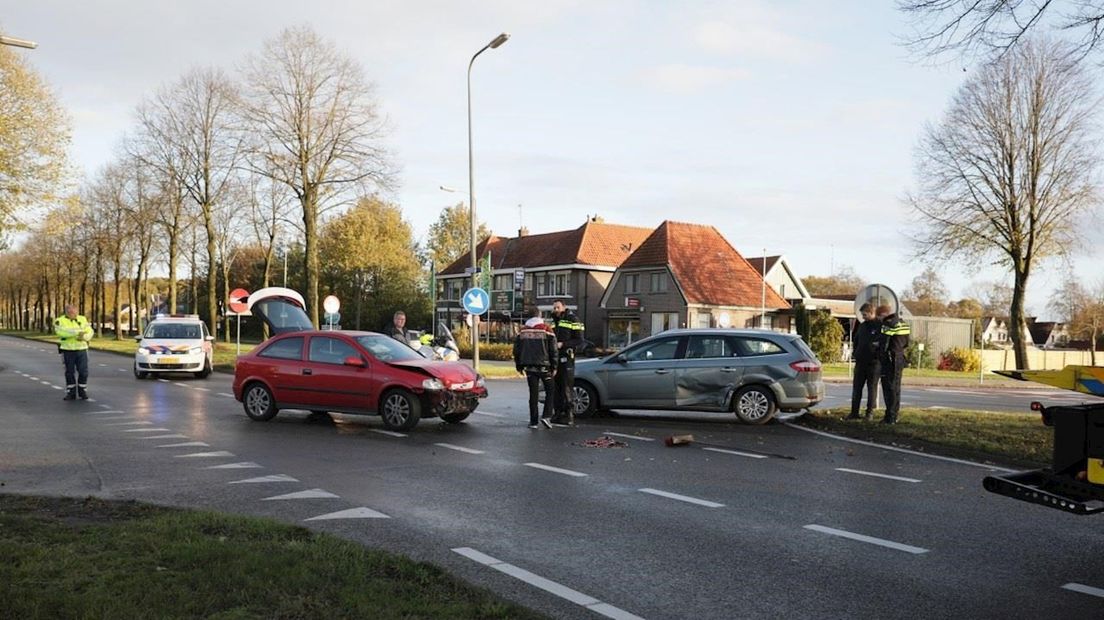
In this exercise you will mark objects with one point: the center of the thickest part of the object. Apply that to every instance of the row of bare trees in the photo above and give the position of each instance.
(215, 162)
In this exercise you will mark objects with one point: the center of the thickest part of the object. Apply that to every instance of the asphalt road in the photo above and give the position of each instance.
(748, 522)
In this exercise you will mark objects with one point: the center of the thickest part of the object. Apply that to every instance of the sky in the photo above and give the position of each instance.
(788, 125)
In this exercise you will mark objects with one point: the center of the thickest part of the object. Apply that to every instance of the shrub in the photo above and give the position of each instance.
(825, 336)
(917, 358)
(959, 359)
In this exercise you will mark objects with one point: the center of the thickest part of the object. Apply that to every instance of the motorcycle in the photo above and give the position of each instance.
(441, 348)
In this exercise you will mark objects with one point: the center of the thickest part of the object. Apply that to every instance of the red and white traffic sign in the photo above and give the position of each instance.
(237, 302)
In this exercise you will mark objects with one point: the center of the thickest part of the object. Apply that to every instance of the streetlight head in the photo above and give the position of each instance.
(31, 44)
(500, 39)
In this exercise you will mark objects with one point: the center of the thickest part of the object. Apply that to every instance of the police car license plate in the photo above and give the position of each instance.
(168, 360)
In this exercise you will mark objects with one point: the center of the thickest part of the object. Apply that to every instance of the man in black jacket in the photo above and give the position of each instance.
(895, 340)
(535, 355)
(569, 337)
(866, 344)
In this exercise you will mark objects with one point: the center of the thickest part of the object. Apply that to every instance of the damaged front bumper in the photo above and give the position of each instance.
(445, 402)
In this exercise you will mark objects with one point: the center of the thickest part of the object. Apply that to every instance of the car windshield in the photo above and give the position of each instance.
(174, 331)
(387, 349)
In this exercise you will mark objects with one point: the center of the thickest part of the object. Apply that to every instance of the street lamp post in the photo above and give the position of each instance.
(497, 41)
(17, 42)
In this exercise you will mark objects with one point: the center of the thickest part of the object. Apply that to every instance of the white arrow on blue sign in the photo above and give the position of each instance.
(476, 301)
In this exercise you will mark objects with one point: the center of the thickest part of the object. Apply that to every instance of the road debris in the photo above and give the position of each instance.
(603, 442)
(678, 440)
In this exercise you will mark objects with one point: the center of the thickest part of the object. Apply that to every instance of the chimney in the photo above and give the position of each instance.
(597, 219)
(523, 232)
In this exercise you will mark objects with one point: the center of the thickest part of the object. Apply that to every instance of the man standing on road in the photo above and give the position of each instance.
(74, 332)
(866, 349)
(895, 340)
(398, 327)
(569, 338)
(535, 355)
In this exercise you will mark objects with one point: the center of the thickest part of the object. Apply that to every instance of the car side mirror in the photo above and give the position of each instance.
(138, 337)
(621, 359)
(209, 338)
(356, 361)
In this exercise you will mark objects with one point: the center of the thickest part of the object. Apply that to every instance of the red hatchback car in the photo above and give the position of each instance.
(345, 371)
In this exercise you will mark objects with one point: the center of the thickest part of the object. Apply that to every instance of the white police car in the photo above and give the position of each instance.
(173, 344)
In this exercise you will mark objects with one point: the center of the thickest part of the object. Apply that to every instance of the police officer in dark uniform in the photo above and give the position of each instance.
(895, 340)
(866, 351)
(569, 338)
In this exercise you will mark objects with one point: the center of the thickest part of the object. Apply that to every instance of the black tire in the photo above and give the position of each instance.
(206, 372)
(258, 402)
(140, 374)
(400, 410)
(586, 400)
(754, 404)
(455, 418)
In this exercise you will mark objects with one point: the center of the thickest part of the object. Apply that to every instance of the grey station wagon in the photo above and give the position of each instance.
(753, 373)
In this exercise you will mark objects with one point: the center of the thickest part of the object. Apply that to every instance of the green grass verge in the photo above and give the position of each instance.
(1012, 438)
(839, 369)
(89, 558)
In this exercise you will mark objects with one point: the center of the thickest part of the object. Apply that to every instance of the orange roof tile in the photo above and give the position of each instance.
(705, 265)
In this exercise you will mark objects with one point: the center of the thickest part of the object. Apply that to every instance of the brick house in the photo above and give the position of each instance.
(687, 275)
(535, 270)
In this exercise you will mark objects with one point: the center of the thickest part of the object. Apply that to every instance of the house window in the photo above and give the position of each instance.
(703, 319)
(562, 288)
(659, 282)
(504, 282)
(782, 290)
(663, 321)
(632, 283)
(528, 282)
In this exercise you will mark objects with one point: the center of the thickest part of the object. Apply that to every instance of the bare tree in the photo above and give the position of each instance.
(269, 206)
(318, 130)
(928, 292)
(1010, 168)
(985, 27)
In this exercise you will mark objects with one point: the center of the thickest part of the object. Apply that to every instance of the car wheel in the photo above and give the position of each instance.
(586, 400)
(455, 418)
(206, 372)
(754, 405)
(400, 410)
(139, 374)
(259, 403)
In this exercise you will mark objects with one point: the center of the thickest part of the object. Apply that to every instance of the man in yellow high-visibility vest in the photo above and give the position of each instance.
(74, 332)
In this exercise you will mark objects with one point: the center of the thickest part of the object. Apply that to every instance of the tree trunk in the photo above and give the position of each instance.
(172, 272)
(118, 319)
(212, 272)
(310, 221)
(1016, 318)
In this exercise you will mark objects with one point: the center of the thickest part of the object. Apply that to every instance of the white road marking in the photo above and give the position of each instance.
(102, 365)
(109, 407)
(44, 382)
(173, 436)
(244, 465)
(866, 539)
(110, 417)
(122, 370)
(201, 389)
(205, 455)
(91, 400)
(147, 430)
(273, 478)
(737, 453)
(311, 494)
(566, 472)
(352, 513)
(682, 498)
(226, 395)
(491, 414)
(870, 473)
(459, 448)
(164, 381)
(552, 587)
(388, 433)
(1084, 589)
(638, 437)
(138, 423)
(186, 444)
(56, 387)
(182, 384)
(896, 449)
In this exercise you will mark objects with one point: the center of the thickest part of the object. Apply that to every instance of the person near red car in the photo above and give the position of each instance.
(535, 354)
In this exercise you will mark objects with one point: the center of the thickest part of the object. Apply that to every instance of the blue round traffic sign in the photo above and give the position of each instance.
(476, 301)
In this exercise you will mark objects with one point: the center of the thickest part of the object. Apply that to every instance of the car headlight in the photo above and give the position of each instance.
(479, 381)
(433, 384)
(143, 351)
(195, 350)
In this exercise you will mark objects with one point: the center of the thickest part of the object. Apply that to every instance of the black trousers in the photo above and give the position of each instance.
(535, 380)
(866, 379)
(76, 369)
(891, 387)
(565, 388)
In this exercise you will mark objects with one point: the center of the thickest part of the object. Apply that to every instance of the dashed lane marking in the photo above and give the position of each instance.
(201, 389)
(138, 423)
(881, 542)
(552, 587)
(186, 444)
(311, 494)
(1084, 589)
(226, 395)
(491, 414)
(388, 433)
(163, 381)
(557, 470)
(352, 513)
(872, 474)
(459, 448)
(682, 498)
(147, 430)
(56, 387)
(245, 465)
(637, 437)
(206, 455)
(173, 436)
(181, 384)
(737, 453)
(261, 479)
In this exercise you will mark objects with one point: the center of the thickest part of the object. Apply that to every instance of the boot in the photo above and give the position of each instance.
(81, 393)
(71, 393)
(869, 415)
(854, 415)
